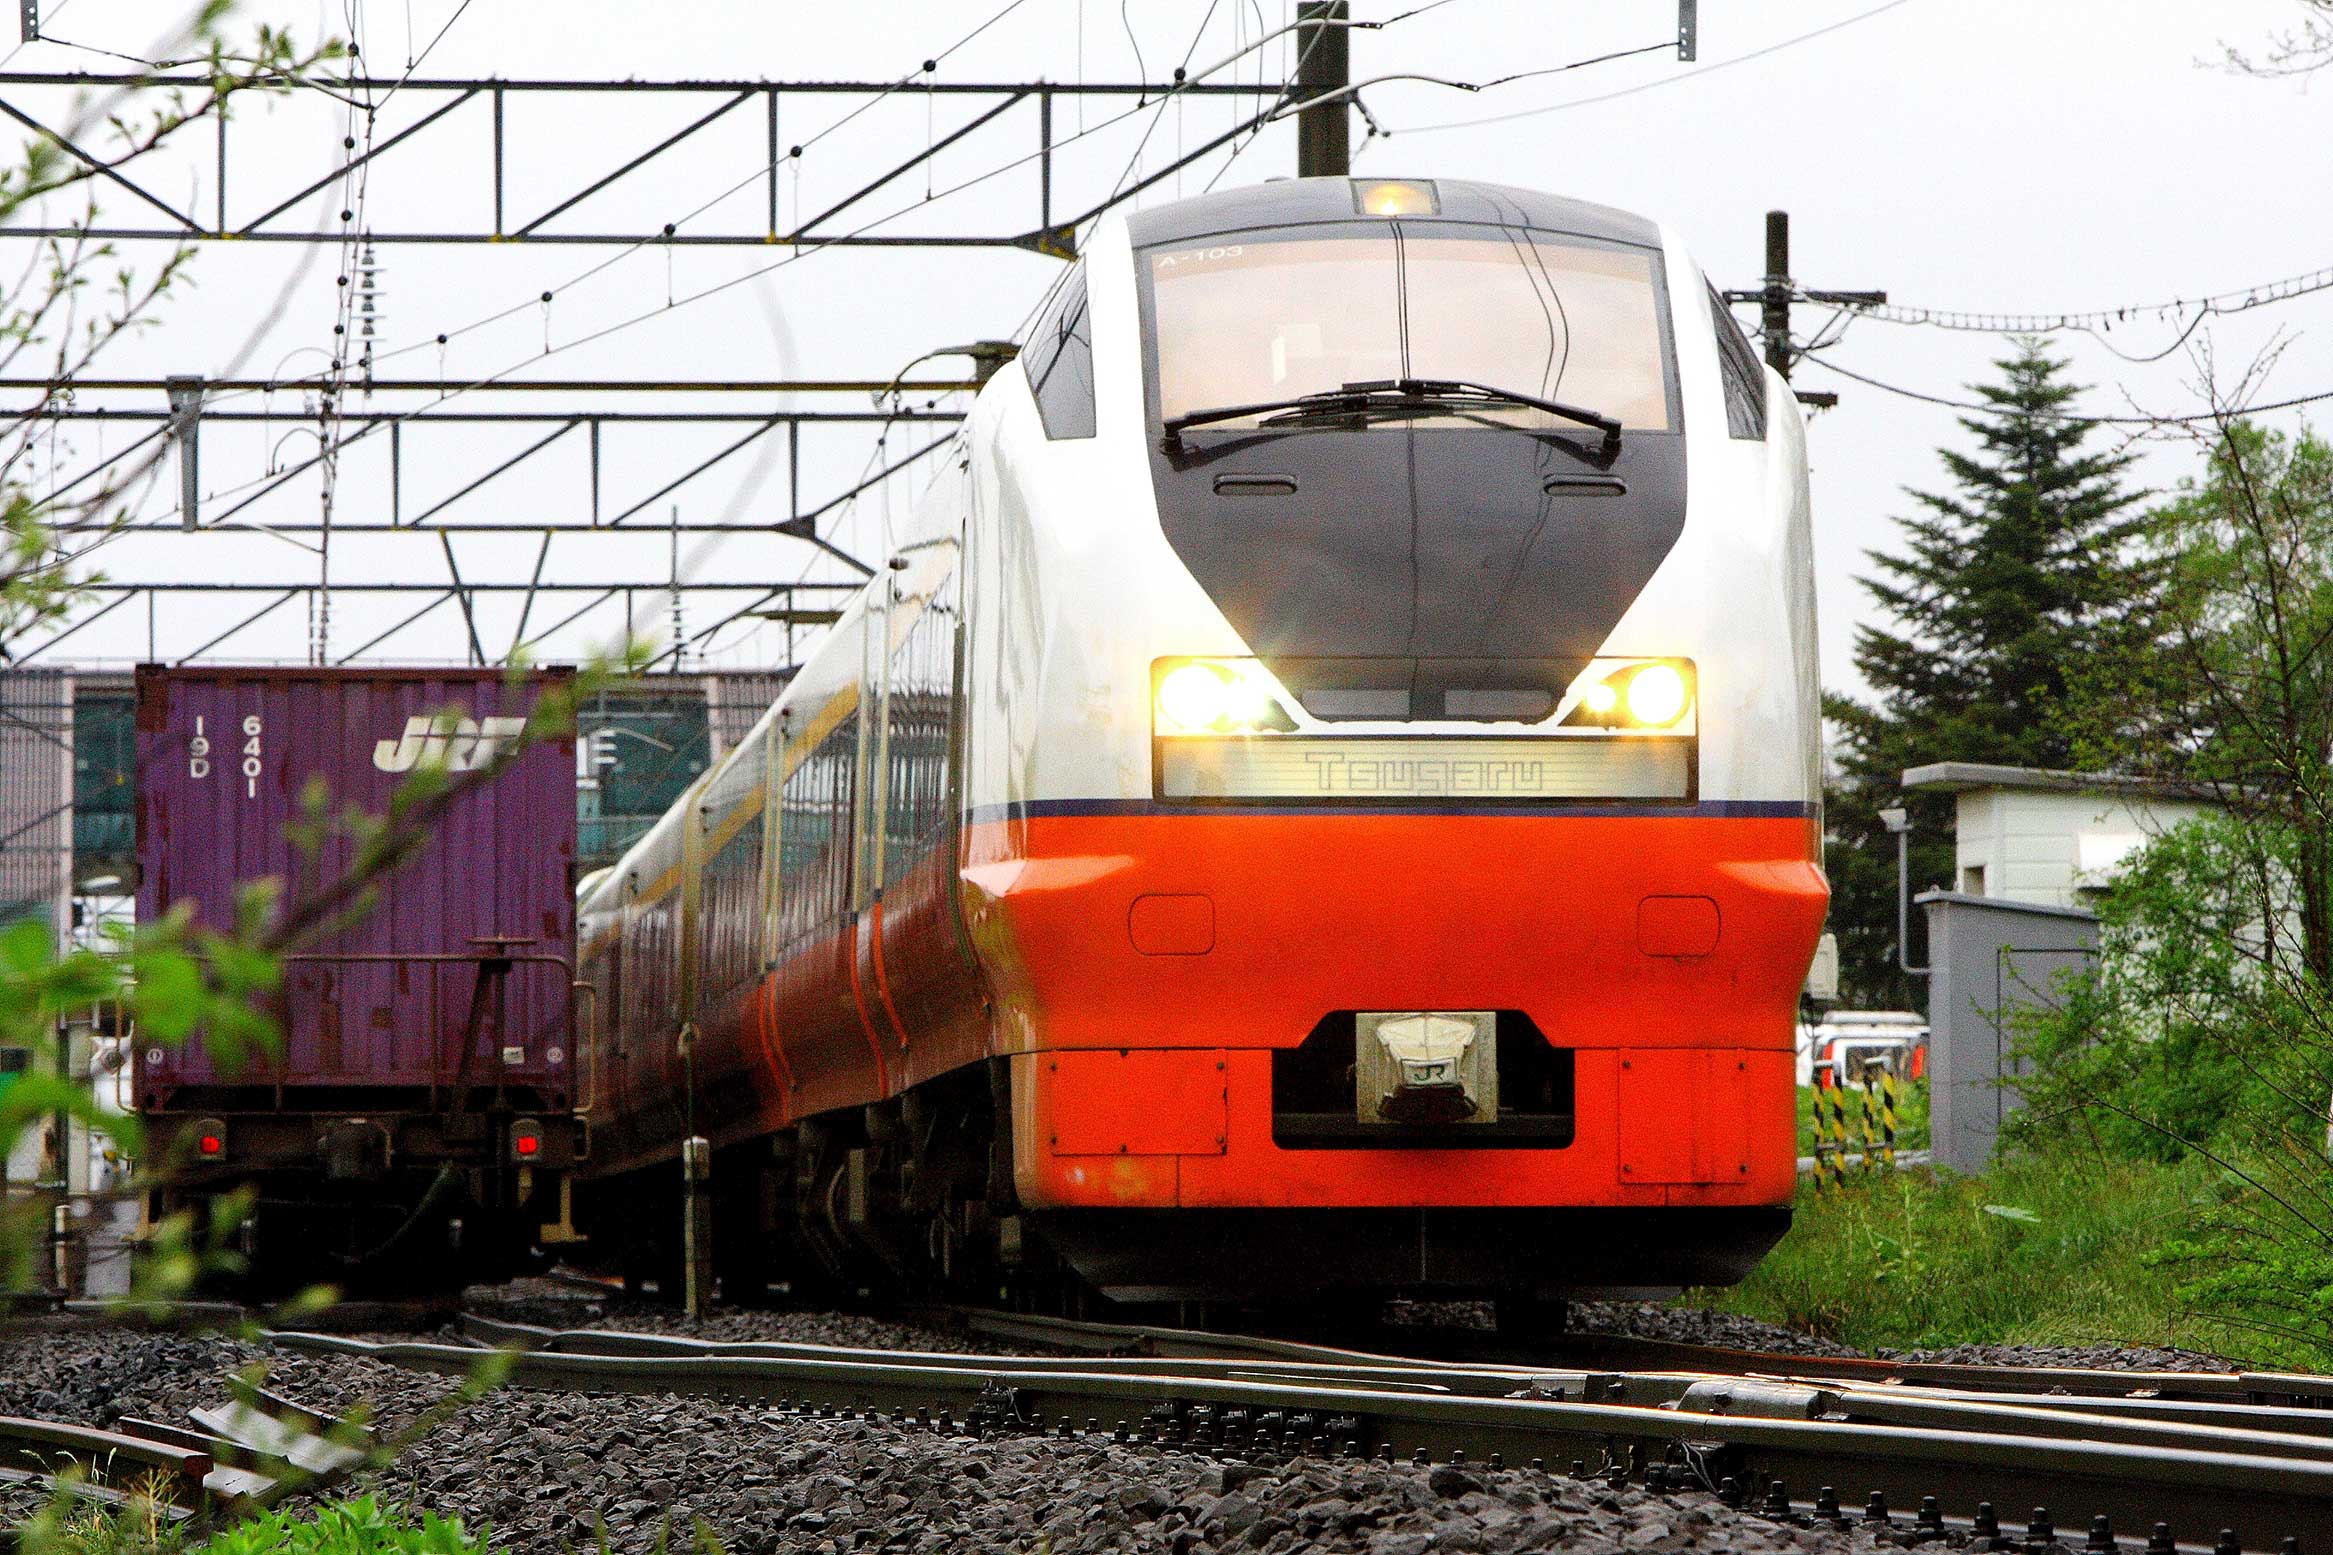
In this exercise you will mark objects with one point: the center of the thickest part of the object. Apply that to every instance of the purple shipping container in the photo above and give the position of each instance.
(375, 1015)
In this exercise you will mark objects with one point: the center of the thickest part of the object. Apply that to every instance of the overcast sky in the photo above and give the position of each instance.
(2028, 156)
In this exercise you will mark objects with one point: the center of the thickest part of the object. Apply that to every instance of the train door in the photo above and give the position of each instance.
(928, 979)
(824, 1040)
(882, 1022)
(690, 908)
(762, 1014)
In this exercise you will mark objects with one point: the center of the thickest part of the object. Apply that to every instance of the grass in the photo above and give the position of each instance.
(2035, 1251)
(359, 1527)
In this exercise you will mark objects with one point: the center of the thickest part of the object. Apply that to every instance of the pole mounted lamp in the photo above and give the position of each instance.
(1899, 820)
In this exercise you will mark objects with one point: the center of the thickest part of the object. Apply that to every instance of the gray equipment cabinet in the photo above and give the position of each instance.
(1989, 958)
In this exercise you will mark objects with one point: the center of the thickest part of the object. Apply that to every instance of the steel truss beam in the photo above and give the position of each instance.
(761, 596)
(501, 586)
(485, 504)
(448, 386)
(478, 111)
(505, 385)
(550, 429)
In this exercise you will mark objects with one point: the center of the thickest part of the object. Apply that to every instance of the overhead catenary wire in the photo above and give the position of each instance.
(802, 252)
(1353, 92)
(1295, 73)
(415, 63)
(555, 349)
(2237, 300)
(1647, 86)
(793, 154)
(1172, 95)
(490, 379)
(533, 300)
(2191, 418)
(497, 377)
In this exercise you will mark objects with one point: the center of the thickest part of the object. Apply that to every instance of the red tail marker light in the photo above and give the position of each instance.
(210, 1139)
(526, 1140)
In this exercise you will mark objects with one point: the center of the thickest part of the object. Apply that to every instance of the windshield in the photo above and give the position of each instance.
(1260, 317)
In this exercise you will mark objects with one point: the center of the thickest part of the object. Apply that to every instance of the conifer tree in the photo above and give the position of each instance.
(2006, 583)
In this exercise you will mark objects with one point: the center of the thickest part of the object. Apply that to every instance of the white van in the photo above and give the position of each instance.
(1844, 1040)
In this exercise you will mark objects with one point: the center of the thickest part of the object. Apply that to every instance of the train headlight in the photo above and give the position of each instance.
(1657, 696)
(1395, 197)
(1213, 696)
(1194, 696)
(1643, 694)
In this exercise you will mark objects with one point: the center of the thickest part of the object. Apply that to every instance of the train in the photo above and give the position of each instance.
(1318, 801)
(412, 1124)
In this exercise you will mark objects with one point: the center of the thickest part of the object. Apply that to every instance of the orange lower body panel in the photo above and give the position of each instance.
(1725, 1135)
(1680, 1044)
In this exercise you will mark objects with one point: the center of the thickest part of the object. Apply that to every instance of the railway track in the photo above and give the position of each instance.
(338, 1317)
(2304, 1401)
(2243, 1462)
(238, 1456)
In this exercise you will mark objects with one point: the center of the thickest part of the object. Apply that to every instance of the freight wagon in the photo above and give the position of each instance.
(417, 1123)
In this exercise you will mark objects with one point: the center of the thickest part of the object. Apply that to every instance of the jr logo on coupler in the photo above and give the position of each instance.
(456, 743)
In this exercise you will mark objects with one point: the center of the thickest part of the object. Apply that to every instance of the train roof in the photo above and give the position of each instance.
(1299, 201)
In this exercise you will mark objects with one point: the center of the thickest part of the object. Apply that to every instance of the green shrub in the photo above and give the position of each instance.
(2194, 1030)
(360, 1527)
(2052, 1250)
(2204, 1033)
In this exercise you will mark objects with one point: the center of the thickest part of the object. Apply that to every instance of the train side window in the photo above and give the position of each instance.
(1059, 360)
(815, 839)
(1745, 379)
(922, 710)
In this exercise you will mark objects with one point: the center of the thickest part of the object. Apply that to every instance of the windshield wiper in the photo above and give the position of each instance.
(1456, 391)
(1394, 394)
(1353, 396)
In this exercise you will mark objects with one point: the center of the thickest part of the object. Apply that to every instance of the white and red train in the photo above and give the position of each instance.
(1320, 799)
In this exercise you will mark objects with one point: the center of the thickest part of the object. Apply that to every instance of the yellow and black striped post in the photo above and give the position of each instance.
(1863, 1112)
(1823, 1168)
(1831, 1116)
(1887, 1114)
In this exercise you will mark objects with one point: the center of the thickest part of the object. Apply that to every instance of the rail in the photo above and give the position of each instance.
(2249, 1388)
(2257, 1468)
(113, 1464)
(242, 1455)
(2312, 1395)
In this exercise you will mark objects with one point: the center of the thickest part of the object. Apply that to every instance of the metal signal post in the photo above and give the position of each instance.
(1324, 68)
(1775, 298)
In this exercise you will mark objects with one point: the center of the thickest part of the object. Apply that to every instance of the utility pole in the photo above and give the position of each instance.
(1774, 299)
(1324, 65)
